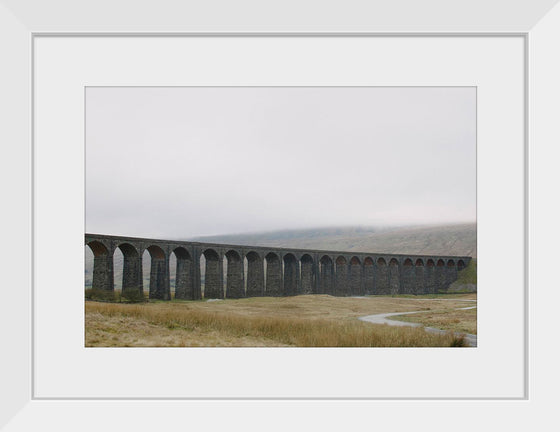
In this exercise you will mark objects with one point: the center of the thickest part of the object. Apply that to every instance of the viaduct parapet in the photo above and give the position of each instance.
(252, 271)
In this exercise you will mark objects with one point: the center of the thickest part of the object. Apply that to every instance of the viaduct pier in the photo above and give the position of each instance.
(235, 271)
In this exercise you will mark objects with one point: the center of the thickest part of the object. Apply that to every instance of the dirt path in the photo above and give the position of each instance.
(384, 319)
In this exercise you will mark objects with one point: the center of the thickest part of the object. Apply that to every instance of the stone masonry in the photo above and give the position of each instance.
(253, 271)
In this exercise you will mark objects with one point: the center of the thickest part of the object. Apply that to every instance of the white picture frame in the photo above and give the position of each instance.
(22, 411)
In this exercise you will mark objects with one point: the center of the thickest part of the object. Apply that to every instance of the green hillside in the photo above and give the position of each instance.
(466, 280)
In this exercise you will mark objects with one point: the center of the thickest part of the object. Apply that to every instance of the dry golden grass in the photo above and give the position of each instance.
(324, 306)
(305, 321)
(125, 331)
(463, 321)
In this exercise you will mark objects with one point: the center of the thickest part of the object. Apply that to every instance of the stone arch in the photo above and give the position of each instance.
(341, 277)
(430, 276)
(394, 276)
(159, 273)
(419, 276)
(307, 274)
(273, 275)
(102, 274)
(460, 265)
(255, 275)
(132, 268)
(368, 276)
(184, 275)
(450, 273)
(89, 257)
(98, 248)
(439, 275)
(291, 275)
(408, 277)
(235, 285)
(355, 276)
(326, 275)
(156, 252)
(382, 277)
(213, 275)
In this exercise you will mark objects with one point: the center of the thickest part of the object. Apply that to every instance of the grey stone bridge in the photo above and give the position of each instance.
(253, 271)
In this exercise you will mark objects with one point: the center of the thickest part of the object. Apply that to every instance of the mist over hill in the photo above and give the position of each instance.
(457, 239)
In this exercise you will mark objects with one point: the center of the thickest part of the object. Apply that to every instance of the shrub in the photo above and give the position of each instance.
(132, 296)
(459, 341)
(100, 295)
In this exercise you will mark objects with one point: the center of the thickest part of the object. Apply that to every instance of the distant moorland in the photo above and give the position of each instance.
(459, 239)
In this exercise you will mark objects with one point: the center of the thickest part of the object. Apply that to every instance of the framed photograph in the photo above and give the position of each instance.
(54, 65)
(317, 210)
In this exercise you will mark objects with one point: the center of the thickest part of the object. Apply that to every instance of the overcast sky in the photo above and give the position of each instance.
(186, 162)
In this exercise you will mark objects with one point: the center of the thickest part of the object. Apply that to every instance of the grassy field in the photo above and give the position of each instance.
(455, 320)
(304, 321)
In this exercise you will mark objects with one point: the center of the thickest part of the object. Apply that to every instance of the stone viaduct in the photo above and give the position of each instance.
(253, 271)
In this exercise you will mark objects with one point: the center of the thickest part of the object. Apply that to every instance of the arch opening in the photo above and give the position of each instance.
(369, 276)
(407, 283)
(235, 284)
(255, 275)
(440, 276)
(159, 273)
(382, 277)
(98, 267)
(88, 267)
(419, 276)
(394, 277)
(341, 277)
(184, 274)
(130, 261)
(430, 277)
(450, 274)
(355, 277)
(213, 275)
(98, 248)
(291, 275)
(326, 275)
(273, 282)
(307, 274)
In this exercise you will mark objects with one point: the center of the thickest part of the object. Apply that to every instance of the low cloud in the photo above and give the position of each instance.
(186, 162)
